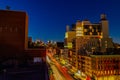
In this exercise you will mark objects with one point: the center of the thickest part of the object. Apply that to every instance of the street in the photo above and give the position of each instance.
(60, 68)
(56, 73)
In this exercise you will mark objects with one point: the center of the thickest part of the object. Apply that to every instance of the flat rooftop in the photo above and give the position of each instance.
(105, 55)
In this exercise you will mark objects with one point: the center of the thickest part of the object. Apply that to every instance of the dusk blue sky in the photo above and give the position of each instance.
(48, 18)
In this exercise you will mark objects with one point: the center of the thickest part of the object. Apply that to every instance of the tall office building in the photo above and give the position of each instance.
(98, 32)
(69, 35)
(89, 39)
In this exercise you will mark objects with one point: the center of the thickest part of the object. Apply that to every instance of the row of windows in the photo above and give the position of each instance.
(108, 61)
(92, 30)
(91, 45)
(92, 27)
(103, 59)
(92, 33)
(8, 29)
(106, 72)
(107, 67)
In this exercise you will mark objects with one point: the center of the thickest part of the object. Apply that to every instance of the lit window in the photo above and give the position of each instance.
(79, 28)
(98, 33)
(85, 30)
(105, 72)
(66, 35)
(37, 59)
(111, 72)
(90, 27)
(92, 30)
(105, 41)
(90, 33)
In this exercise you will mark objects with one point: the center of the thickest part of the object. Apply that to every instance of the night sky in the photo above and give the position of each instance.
(48, 18)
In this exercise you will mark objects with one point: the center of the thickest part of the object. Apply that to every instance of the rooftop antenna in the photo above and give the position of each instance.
(7, 7)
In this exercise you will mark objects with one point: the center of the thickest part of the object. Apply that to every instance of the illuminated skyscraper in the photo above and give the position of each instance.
(89, 39)
(97, 33)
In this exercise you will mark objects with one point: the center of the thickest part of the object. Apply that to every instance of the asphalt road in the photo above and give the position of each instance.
(61, 69)
(57, 74)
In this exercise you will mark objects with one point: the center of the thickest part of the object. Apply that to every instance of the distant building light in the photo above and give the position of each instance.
(66, 35)
(79, 72)
(118, 47)
(37, 59)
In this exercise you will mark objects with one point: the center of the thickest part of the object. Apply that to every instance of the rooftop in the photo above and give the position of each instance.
(105, 55)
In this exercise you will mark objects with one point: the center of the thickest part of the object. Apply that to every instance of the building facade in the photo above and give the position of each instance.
(69, 36)
(14, 38)
(101, 67)
(13, 32)
(98, 31)
(92, 39)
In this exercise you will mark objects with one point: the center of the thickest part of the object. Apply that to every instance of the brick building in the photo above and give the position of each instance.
(101, 67)
(13, 32)
(14, 36)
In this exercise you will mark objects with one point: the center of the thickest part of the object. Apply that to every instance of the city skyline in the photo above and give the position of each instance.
(48, 19)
